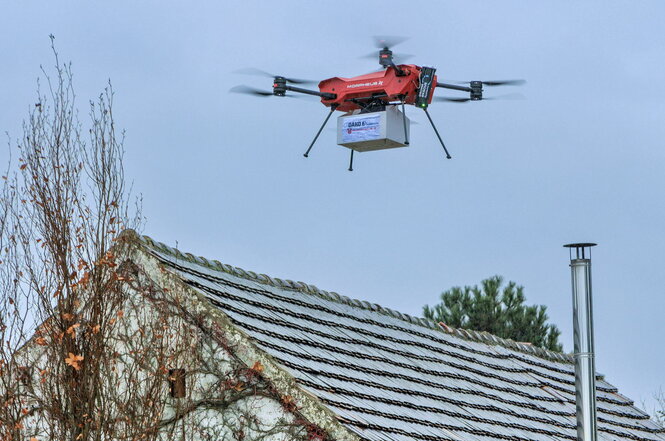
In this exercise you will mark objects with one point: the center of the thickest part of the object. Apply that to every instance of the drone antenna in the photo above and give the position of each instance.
(437, 133)
(351, 161)
(332, 109)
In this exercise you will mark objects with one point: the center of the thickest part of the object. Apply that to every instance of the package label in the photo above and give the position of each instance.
(361, 128)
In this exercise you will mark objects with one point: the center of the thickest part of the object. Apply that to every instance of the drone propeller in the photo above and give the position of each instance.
(450, 99)
(386, 55)
(509, 96)
(495, 83)
(250, 91)
(246, 90)
(386, 41)
(259, 72)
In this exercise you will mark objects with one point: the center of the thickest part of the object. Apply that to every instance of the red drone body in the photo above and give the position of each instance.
(400, 83)
(370, 102)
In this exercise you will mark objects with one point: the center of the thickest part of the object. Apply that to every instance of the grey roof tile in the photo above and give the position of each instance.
(389, 376)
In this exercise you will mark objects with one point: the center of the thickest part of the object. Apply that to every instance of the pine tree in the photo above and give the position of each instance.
(497, 309)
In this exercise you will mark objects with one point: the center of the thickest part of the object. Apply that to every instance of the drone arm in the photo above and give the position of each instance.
(454, 87)
(400, 72)
(325, 95)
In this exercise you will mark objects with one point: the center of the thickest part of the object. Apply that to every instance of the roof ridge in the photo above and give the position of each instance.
(467, 334)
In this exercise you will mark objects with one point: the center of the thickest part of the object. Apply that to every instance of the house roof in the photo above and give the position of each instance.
(390, 376)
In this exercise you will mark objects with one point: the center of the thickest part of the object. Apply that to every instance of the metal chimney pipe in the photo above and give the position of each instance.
(585, 369)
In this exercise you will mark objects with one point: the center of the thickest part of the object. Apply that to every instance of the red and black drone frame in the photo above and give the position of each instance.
(396, 84)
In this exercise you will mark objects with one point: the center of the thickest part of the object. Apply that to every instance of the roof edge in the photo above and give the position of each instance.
(247, 352)
(467, 334)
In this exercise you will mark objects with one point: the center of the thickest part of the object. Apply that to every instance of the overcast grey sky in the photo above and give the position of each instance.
(222, 175)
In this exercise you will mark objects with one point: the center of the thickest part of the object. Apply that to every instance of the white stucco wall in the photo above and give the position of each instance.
(156, 330)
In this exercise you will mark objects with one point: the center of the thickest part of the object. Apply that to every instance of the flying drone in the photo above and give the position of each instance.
(371, 103)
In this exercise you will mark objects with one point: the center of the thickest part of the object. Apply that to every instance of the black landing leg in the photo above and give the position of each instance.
(332, 109)
(437, 134)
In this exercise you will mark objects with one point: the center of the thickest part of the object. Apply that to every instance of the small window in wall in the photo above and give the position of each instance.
(177, 383)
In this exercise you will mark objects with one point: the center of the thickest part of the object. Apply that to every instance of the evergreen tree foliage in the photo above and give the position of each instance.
(497, 309)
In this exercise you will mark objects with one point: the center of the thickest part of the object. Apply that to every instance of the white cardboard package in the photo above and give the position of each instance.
(372, 131)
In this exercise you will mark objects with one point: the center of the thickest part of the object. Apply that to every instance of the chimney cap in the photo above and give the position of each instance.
(580, 245)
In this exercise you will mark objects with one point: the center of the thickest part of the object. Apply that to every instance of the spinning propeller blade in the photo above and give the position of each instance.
(510, 96)
(249, 91)
(504, 83)
(246, 90)
(386, 55)
(387, 41)
(450, 99)
(262, 73)
(496, 83)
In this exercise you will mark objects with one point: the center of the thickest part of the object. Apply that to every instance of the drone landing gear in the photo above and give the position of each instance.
(332, 109)
(437, 133)
(406, 136)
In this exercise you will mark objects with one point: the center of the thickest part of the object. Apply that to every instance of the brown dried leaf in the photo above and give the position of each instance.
(73, 360)
(72, 328)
